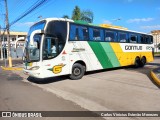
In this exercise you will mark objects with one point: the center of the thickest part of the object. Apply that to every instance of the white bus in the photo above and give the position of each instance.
(57, 46)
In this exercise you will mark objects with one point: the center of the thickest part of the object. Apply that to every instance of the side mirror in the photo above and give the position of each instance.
(32, 35)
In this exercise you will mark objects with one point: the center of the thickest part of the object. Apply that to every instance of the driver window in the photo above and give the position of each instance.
(50, 49)
(55, 39)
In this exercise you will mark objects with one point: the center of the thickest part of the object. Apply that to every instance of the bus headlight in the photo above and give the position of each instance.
(34, 68)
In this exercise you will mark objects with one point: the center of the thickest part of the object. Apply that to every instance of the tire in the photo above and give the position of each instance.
(143, 62)
(137, 62)
(78, 71)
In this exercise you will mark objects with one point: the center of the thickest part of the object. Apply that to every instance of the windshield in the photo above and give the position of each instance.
(32, 51)
(37, 26)
(55, 39)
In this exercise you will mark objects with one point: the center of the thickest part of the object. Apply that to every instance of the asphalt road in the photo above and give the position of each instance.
(16, 95)
(122, 89)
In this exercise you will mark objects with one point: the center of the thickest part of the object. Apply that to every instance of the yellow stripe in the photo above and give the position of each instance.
(11, 68)
(128, 58)
(155, 78)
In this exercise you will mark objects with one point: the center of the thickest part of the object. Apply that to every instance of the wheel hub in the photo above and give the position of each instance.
(77, 71)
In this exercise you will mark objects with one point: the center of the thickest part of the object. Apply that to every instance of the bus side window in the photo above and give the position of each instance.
(96, 35)
(85, 33)
(73, 30)
(90, 33)
(122, 37)
(147, 40)
(110, 36)
(133, 38)
(141, 39)
(82, 33)
(151, 39)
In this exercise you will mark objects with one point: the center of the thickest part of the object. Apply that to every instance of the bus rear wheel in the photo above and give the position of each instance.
(143, 62)
(78, 71)
(137, 62)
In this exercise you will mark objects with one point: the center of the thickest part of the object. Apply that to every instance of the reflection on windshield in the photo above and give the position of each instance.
(38, 26)
(33, 51)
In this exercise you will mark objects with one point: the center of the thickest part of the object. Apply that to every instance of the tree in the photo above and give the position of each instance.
(87, 16)
(65, 16)
(76, 15)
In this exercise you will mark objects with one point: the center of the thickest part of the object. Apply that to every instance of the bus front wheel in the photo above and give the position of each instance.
(78, 71)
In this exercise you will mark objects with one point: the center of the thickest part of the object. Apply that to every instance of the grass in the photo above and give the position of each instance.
(156, 53)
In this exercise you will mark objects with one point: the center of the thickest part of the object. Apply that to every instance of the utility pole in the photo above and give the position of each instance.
(1, 44)
(8, 35)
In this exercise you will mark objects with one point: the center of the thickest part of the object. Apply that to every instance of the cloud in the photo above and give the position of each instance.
(107, 22)
(137, 20)
(150, 27)
(25, 24)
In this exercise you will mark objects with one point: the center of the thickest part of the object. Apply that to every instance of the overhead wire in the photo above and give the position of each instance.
(19, 6)
(36, 5)
(44, 6)
(48, 3)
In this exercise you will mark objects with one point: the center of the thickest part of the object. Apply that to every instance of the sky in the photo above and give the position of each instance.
(137, 15)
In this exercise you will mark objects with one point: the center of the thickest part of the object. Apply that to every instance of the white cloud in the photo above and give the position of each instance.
(25, 24)
(107, 22)
(150, 27)
(137, 20)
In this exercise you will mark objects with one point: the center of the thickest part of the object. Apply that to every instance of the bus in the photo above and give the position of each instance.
(57, 46)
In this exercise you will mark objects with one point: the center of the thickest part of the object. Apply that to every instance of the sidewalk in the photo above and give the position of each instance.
(17, 64)
(155, 74)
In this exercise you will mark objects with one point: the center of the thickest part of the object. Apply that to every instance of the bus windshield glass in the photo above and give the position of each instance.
(55, 39)
(33, 50)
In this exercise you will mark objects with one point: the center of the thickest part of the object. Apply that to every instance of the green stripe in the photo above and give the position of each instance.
(110, 53)
(105, 54)
(100, 54)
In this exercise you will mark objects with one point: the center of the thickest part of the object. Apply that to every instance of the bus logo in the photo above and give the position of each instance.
(57, 68)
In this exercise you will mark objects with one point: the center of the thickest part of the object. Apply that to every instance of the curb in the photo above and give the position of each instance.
(11, 68)
(155, 77)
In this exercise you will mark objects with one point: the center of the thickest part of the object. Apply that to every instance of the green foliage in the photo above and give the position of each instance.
(87, 16)
(65, 16)
(76, 15)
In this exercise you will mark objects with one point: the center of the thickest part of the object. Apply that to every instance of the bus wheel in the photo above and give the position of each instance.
(137, 62)
(143, 61)
(78, 71)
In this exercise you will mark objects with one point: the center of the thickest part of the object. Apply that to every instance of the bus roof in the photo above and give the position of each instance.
(108, 26)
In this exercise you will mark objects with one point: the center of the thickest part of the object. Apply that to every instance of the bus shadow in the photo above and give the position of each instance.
(47, 80)
(144, 70)
(103, 70)
(155, 64)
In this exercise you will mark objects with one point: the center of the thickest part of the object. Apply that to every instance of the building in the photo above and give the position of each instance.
(13, 37)
(156, 39)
